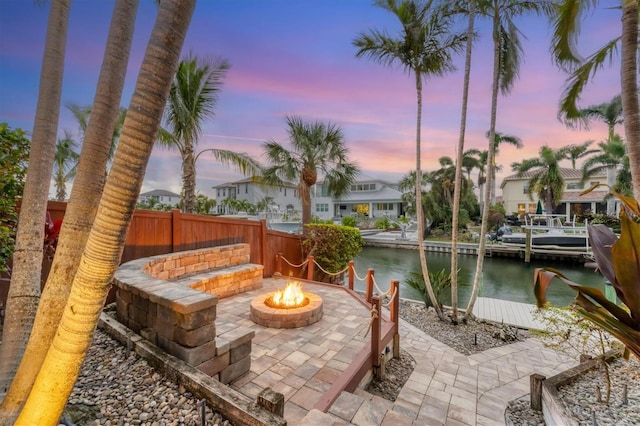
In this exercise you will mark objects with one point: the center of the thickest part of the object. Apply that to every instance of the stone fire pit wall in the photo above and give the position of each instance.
(171, 301)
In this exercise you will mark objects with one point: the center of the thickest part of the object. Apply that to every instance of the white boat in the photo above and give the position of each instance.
(548, 230)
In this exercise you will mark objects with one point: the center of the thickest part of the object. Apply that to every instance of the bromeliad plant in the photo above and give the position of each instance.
(618, 260)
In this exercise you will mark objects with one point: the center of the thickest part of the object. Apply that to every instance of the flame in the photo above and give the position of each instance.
(291, 296)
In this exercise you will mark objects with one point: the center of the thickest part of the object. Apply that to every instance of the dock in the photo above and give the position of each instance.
(505, 312)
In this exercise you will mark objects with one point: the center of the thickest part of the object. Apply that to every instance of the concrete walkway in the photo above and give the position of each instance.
(446, 387)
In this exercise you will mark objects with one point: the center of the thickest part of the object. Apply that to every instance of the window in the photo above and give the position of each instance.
(246, 188)
(525, 188)
(322, 207)
(384, 206)
(575, 185)
(285, 192)
(224, 192)
(324, 190)
(363, 187)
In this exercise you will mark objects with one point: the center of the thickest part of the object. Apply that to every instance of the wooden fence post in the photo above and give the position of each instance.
(352, 271)
(264, 247)
(394, 313)
(535, 390)
(369, 293)
(376, 331)
(278, 264)
(527, 246)
(176, 227)
(310, 267)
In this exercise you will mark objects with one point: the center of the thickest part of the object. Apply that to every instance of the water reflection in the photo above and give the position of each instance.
(507, 279)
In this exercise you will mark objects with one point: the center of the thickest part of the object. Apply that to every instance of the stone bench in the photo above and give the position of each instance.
(171, 300)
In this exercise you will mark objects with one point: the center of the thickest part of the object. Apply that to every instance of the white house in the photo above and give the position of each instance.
(283, 198)
(160, 196)
(516, 201)
(373, 197)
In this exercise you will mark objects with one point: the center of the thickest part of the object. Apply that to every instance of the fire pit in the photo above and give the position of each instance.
(287, 308)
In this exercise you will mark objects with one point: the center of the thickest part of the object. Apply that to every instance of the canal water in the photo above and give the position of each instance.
(503, 278)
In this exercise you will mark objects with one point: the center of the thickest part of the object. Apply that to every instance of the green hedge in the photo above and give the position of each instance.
(332, 247)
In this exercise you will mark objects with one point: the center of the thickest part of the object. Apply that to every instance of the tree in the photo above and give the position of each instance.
(424, 48)
(107, 236)
(611, 157)
(507, 51)
(82, 206)
(314, 147)
(471, 161)
(24, 290)
(578, 151)
(14, 157)
(566, 31)
(204, 204)
(500, 139)
(193, 97)
(547, 182)
(65, 160)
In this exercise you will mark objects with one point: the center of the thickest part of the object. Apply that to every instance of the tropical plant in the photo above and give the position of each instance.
(618, 260)
(507, 51)
(263, 205)
(315, 147)
(193, 97)
(424, 48)
(566, 31)
(65, 161)
(204, 204)
(499, 140)
(577, 151)
(382, 223)
(332, 247)
(14, 156)
(24, 289)
(547, 182)
(104, 246)
(440, 280)
(349, 221)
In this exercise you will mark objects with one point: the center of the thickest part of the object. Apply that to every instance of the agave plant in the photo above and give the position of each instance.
(618, 260)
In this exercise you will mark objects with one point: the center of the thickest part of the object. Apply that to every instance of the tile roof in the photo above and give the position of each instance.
(566, 173)
(159, 193)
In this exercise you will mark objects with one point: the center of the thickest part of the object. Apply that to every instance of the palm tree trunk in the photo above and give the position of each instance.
(107, 237)
(611, 180)
(188, 178)
(490, 163)
(629, 87)
(458, 178)
(419, 210)
(81, 210)
(24, 290)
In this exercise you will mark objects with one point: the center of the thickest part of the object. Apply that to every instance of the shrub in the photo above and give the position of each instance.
(332, 247)
(349, 221)
(440, 281)
(382, 223)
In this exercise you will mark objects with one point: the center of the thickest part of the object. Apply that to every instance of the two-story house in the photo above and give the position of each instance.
(516, 201)
(281, 198)
(161, 196)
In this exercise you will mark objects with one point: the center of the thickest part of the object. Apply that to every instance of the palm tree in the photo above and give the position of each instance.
(424, 48)
(106, 239)
(314, 147)
(611, 156)
(82, 206)
(204, 204)
(507, 51)
(547, 182)
(407, 186)
(577, 151)
(483, 161)
(500, 139)
(65, 160)
(193, 97)
(24, 289)
(566, 28)
(471, 161)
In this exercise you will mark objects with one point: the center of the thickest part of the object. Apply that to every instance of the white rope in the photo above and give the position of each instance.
(374, 316)
(355, 274)
(333, 274)
(388, 303)
(292, 265)
(380, 292)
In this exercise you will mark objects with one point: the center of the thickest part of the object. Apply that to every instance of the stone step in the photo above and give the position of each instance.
(360, 408)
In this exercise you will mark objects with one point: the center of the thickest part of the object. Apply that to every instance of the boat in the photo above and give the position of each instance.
(547, 231)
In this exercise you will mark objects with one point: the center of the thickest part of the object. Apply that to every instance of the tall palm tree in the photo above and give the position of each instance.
(424, 48)
(507, 51)
(65, 160)
(499, 140)
(566, 29)
(611, 157)
(483, 162)
(314, 147)
(471, 161)
(24, 289)
(547, 182)
(82, 206)
(106, 239)
(193, 97)
(578, 151)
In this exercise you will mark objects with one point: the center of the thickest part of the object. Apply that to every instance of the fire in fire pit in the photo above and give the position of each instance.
(290, 307)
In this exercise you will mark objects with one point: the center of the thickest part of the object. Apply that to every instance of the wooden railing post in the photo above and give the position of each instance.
(176, 227)
(310, 266)
(369, 293)
(265, 257)
(352, 271)
(278, 270)
(394, 311)
(376, 330)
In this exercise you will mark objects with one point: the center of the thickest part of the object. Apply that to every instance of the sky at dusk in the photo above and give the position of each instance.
(297, 58)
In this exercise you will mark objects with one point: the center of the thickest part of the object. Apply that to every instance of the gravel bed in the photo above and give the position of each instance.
(116, 389)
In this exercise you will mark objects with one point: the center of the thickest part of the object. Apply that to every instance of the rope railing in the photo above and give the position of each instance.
(292, 265)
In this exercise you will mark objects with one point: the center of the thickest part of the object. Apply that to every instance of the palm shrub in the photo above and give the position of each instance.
(618, 260)
(349, 221)
(441, 282)
(332, 247)
(382, 223)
